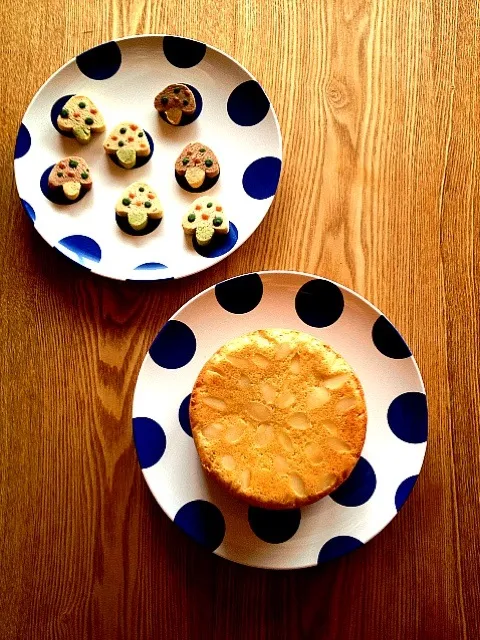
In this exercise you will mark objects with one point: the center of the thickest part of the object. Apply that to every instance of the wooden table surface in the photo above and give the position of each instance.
(378, 103)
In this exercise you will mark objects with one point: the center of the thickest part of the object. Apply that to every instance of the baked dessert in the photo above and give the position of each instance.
(81, 117)
(204, 218)
(195, 163)
(72, 175)
(127, 141)
(175, 101)
(139, 203)
(278, 418)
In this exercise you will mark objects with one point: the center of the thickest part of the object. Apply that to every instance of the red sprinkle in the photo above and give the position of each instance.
(94, 111)
(76, 114)
(133, 127)
(198, 207)
(61, 165)
(114, 137)
(138, 203)
(131, 196)
(151, 196)
(204, 216)
(70, 174)
(130, 138)
(218, 208)
(143, 145)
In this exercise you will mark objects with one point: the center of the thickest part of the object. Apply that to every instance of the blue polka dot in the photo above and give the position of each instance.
(260, 179)
(248, 105)
(203, 522)
(55, 112)
(388, 341)
(358, 488)
(29, 210)
(241, 294)
(150, 266)
(150, 441)
(140, 161)
(83, 246)
(338, 546)
(101, 62)
(408, 417)
(319, 303)
(174, 346)
(188, 118)
(404, 491)
(184, 416)
(220, 244)
(182, 52)
(56, 195)
(23, 142)
(274, 527)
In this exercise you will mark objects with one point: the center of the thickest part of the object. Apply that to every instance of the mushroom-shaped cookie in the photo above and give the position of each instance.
(71, 174)
(127, 141)
(195, 163)
(174, 101)
(138, 203)
(204, 218)
(80, 117)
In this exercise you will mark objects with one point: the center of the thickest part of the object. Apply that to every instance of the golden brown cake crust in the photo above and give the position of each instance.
(278, 418)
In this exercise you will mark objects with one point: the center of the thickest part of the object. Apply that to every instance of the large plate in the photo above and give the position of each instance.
(396, 431)
(123, 77)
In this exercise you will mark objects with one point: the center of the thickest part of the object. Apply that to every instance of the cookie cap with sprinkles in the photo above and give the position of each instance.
(204, 218)
(71, 174)
(278, 418)
(127, 141)
(138, 203)
(195, 162)
(174, 101)
(80, 116)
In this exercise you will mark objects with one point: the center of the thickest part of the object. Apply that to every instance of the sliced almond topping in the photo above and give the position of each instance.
(297, 485)
(314, 453)
(298, 421)
(317, 397)
(337, 381)
(345, 404)
(215, 403)
(212, 375)
(235, 431)
(245, 477)
(240, 363)
(326, 481)
(280, 464)
(340, 446)
(282, 350)
(243, 382)
(258, 411)
(330, 426)
(285, 399)
(261, 361)
(228, 463)
(268, 392)
(295, 365)
(212, 431)
(285, 441)
(264, 435)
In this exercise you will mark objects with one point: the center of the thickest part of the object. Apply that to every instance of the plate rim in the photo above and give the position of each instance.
(211, 261)
(359, 297)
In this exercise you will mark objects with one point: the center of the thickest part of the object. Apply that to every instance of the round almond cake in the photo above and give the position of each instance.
(278, 418)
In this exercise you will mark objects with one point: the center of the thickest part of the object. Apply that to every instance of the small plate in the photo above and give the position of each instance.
(234, 118)
(396, 431)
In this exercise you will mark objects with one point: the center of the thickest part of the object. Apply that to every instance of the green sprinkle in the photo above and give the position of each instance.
(120, 144)
(164, 100)
(126, 201)
(140, 134)
(217, 222)
(84, 175)
(64, 113)
(142, 189)
(208, 162)
(185, 103)
(210, 204)
(176, 90)
(72, 163)
(202, 150)
(191, 217)
(59, 174)
(148, 204)
(186, 160)
(88, 120)
(123, 130)
(82, 105)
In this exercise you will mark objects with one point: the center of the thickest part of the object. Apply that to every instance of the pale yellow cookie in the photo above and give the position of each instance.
(138, 203)
(204, 218)
(80, 116)
(127, 141)
(278, 418)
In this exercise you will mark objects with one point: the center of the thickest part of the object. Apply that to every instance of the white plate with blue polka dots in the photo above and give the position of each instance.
(233, 117)
(396, 431)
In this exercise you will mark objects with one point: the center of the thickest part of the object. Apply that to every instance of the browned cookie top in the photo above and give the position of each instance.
(197, 154)
(175, 96)
(71, 169)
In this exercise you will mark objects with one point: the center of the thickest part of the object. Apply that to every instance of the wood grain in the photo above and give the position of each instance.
(382, 170)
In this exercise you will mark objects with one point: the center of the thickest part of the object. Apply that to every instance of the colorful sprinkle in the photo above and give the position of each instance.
(61, 165)
(123, 130)
(115, 138)
(140, 134)
(209, 204)
(89, 120)
(76, 114)
(94, 111)
(151, 196)
(64, 113)
(120, 144)
(198, 207)
(218, 208)
(191, 217)
(82, 105)
(176, 90)
(148, 204)
(133, 127)
(138, 203)
(186, 160)
(132, 195)
(130, 138)
(217, 221)
(204, 216)
(142, 145)
(59, 174)
(142, 189)
(70, 174)
(73, 163)
(208, 162)
(164, 100)
(126, 201)
(202, 150)
(84, 175)
(185, 103)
